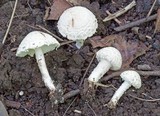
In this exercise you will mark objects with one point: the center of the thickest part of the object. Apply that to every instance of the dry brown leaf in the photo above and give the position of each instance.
(97, 41)
(157, 27)
(130, 50)
(57, 9)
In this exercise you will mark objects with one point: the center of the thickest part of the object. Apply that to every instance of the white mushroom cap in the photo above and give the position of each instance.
(77, 23)
(36, 39)
(112, 55)
(132, 77)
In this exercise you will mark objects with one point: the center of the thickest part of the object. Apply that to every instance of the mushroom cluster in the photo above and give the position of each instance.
(77, 24)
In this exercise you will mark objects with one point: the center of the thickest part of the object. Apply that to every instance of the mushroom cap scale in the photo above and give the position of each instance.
(36, 39)
(77, 23)
(132, 77)
(112, 55)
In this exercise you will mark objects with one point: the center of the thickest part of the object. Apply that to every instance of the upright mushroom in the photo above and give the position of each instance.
(39, 43)
(77, 24)
(108, 58)
(131, 78)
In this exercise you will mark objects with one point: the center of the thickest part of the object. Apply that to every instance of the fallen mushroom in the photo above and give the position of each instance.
(77, 24)
(39, 43)
(108, 58)
(131, 78)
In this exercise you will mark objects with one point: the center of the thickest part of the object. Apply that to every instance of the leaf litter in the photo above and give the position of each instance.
(130, 50)
(57, 9)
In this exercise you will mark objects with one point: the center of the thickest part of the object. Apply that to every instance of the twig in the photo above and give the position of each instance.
(69, 106)
(66, 42)
(42, 28)
(143, 73)
(50, 32)
(71, 94)
(87, 70)
(115, 19)
(27, 111)
(150, 11)
(148, 100)
(91, 108)
(136, 23)
(120, 12)
(10, 22)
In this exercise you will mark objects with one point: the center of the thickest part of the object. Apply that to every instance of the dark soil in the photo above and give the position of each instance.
(67, 65)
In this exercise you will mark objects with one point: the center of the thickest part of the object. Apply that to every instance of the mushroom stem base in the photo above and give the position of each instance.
(79, 43)
(43, 69)
(112, 103)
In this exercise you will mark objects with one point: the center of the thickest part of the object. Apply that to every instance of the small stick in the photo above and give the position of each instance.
(69, 106)
(120, 12)
(150, 11)
(143, 73)
(147, 100)
(87, 70)
(27, 111)
(136, 23)
(91, 109)
(10, 22)
(115, 19)
(50, 32)
(71, 94)
(66, 42)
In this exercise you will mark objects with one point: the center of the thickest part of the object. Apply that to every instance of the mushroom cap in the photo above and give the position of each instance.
(77, 23)
(112, 55)
(36, 39)
(132, 77)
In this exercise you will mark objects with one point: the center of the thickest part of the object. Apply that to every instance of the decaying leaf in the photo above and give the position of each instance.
(97, 41)
(57, 9)
(130, 50)
(157, 27)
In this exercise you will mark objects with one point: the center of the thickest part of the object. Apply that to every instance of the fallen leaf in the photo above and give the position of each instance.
(57, 9)
(97, 41)
(130, 50)
(157, 27)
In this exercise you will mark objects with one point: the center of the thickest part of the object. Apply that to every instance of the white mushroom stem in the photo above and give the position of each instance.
(102, 67)
(43, 69)
(125, 85)
(79, 43)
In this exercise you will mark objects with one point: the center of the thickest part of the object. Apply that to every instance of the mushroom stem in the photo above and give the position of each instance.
(43, 69)
(79, 43)
(112, 103)
(102, 67)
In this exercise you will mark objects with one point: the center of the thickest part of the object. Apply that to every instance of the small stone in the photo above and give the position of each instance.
(21, 93)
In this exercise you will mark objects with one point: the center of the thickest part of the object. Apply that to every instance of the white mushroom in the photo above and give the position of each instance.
(108, 58)
(131, 78)
(77, 24)
(39, 43)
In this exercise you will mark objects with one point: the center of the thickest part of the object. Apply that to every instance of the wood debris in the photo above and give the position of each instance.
(120, 12)
(157, 26)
